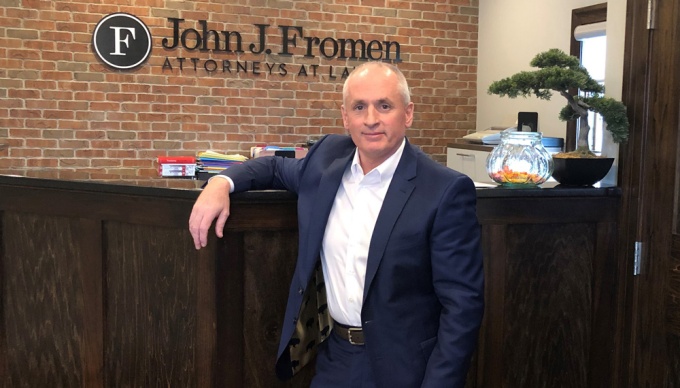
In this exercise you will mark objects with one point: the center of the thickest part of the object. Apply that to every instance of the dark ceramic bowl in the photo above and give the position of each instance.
(580, 171)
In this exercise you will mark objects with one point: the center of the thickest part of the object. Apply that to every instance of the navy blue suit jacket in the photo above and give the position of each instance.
(423, 296)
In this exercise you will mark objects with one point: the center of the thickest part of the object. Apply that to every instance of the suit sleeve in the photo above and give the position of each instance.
(459, 284)
(265, 173)
(270, 172)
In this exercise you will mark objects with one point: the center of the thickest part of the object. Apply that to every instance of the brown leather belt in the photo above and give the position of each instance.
(354, 335)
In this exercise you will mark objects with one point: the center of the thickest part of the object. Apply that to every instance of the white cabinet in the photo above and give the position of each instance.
(470, 159)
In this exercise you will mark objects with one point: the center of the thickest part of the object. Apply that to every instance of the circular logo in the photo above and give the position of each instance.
(122, 41)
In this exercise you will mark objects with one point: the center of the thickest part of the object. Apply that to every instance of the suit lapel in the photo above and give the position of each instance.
(395, 199)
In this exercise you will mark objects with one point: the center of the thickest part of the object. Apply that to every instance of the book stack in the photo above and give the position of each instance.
(177, 166)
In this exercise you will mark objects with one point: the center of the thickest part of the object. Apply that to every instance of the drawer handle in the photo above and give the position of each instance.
(466, 155)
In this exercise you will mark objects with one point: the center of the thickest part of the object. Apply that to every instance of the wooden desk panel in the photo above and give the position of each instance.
(101, 286)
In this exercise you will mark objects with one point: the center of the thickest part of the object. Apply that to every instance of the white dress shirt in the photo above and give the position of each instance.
(344, 252)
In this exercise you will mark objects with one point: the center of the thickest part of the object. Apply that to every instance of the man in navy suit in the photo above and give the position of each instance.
(388, 285)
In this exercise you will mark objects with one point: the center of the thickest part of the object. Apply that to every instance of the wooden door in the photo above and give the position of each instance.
(651, 195)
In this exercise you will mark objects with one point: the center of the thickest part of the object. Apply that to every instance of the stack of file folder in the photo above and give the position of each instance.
(213, 162)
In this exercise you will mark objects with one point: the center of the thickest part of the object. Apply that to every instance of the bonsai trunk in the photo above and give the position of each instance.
(581, 109)
(583, 131)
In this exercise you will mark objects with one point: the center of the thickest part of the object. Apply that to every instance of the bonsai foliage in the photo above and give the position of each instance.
(562, 73)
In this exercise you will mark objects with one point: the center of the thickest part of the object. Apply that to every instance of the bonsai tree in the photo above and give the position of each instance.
(562, 73)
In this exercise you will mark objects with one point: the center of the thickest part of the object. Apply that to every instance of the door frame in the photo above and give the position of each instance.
(647, 176)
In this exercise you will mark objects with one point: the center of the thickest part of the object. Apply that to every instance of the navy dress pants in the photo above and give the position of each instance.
(339, 364)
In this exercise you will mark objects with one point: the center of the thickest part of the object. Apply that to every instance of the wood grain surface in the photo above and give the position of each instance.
(103, 288)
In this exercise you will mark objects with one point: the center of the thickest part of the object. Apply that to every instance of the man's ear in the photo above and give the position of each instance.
(344, 117)
(409, 114)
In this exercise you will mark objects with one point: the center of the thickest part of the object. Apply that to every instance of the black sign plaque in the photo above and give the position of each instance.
(122, 41)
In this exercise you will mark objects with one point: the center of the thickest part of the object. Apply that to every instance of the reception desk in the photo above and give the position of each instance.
(101, 286)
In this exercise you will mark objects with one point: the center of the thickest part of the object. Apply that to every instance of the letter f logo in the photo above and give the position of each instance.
(117, 40)
(122, 41)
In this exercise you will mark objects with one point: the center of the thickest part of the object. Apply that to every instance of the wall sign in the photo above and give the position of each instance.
(122, 41)
(292, 41)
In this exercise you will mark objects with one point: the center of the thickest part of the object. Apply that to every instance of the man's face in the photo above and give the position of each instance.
(375, 115)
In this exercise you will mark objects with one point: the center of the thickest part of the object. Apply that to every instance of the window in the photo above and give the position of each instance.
(588, 43)
(593, 38)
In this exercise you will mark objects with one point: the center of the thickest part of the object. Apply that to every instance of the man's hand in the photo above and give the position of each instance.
(212, 203)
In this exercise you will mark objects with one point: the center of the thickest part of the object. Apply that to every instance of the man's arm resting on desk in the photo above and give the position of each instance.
(213, 203)
(220, 176)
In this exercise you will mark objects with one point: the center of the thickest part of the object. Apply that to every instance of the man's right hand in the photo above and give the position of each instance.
(212, 203)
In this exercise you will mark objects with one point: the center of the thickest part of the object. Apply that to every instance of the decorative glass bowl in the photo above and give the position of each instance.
(519, 160)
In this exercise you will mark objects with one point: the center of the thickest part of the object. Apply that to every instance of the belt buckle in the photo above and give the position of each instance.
(349, 335)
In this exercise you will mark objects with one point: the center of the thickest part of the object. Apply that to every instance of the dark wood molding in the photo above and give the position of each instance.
(648, 173)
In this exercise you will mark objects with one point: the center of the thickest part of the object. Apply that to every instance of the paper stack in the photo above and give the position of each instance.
(214, 162)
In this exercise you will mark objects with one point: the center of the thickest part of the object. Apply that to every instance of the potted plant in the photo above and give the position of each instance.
(562, 73)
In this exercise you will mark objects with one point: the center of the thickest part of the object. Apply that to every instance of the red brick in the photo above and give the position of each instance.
(439, 49)
(41, 143)
(25, 153)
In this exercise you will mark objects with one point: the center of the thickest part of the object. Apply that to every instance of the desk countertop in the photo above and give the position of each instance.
(138, 187)
(471, 146)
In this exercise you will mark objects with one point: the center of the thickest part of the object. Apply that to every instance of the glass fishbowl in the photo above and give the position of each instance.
(519, 160)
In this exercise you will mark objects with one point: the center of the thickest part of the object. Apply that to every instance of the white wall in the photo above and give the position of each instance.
(616, 37)
(511, 33)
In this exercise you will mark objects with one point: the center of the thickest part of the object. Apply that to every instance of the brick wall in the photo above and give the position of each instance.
(65, 114)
